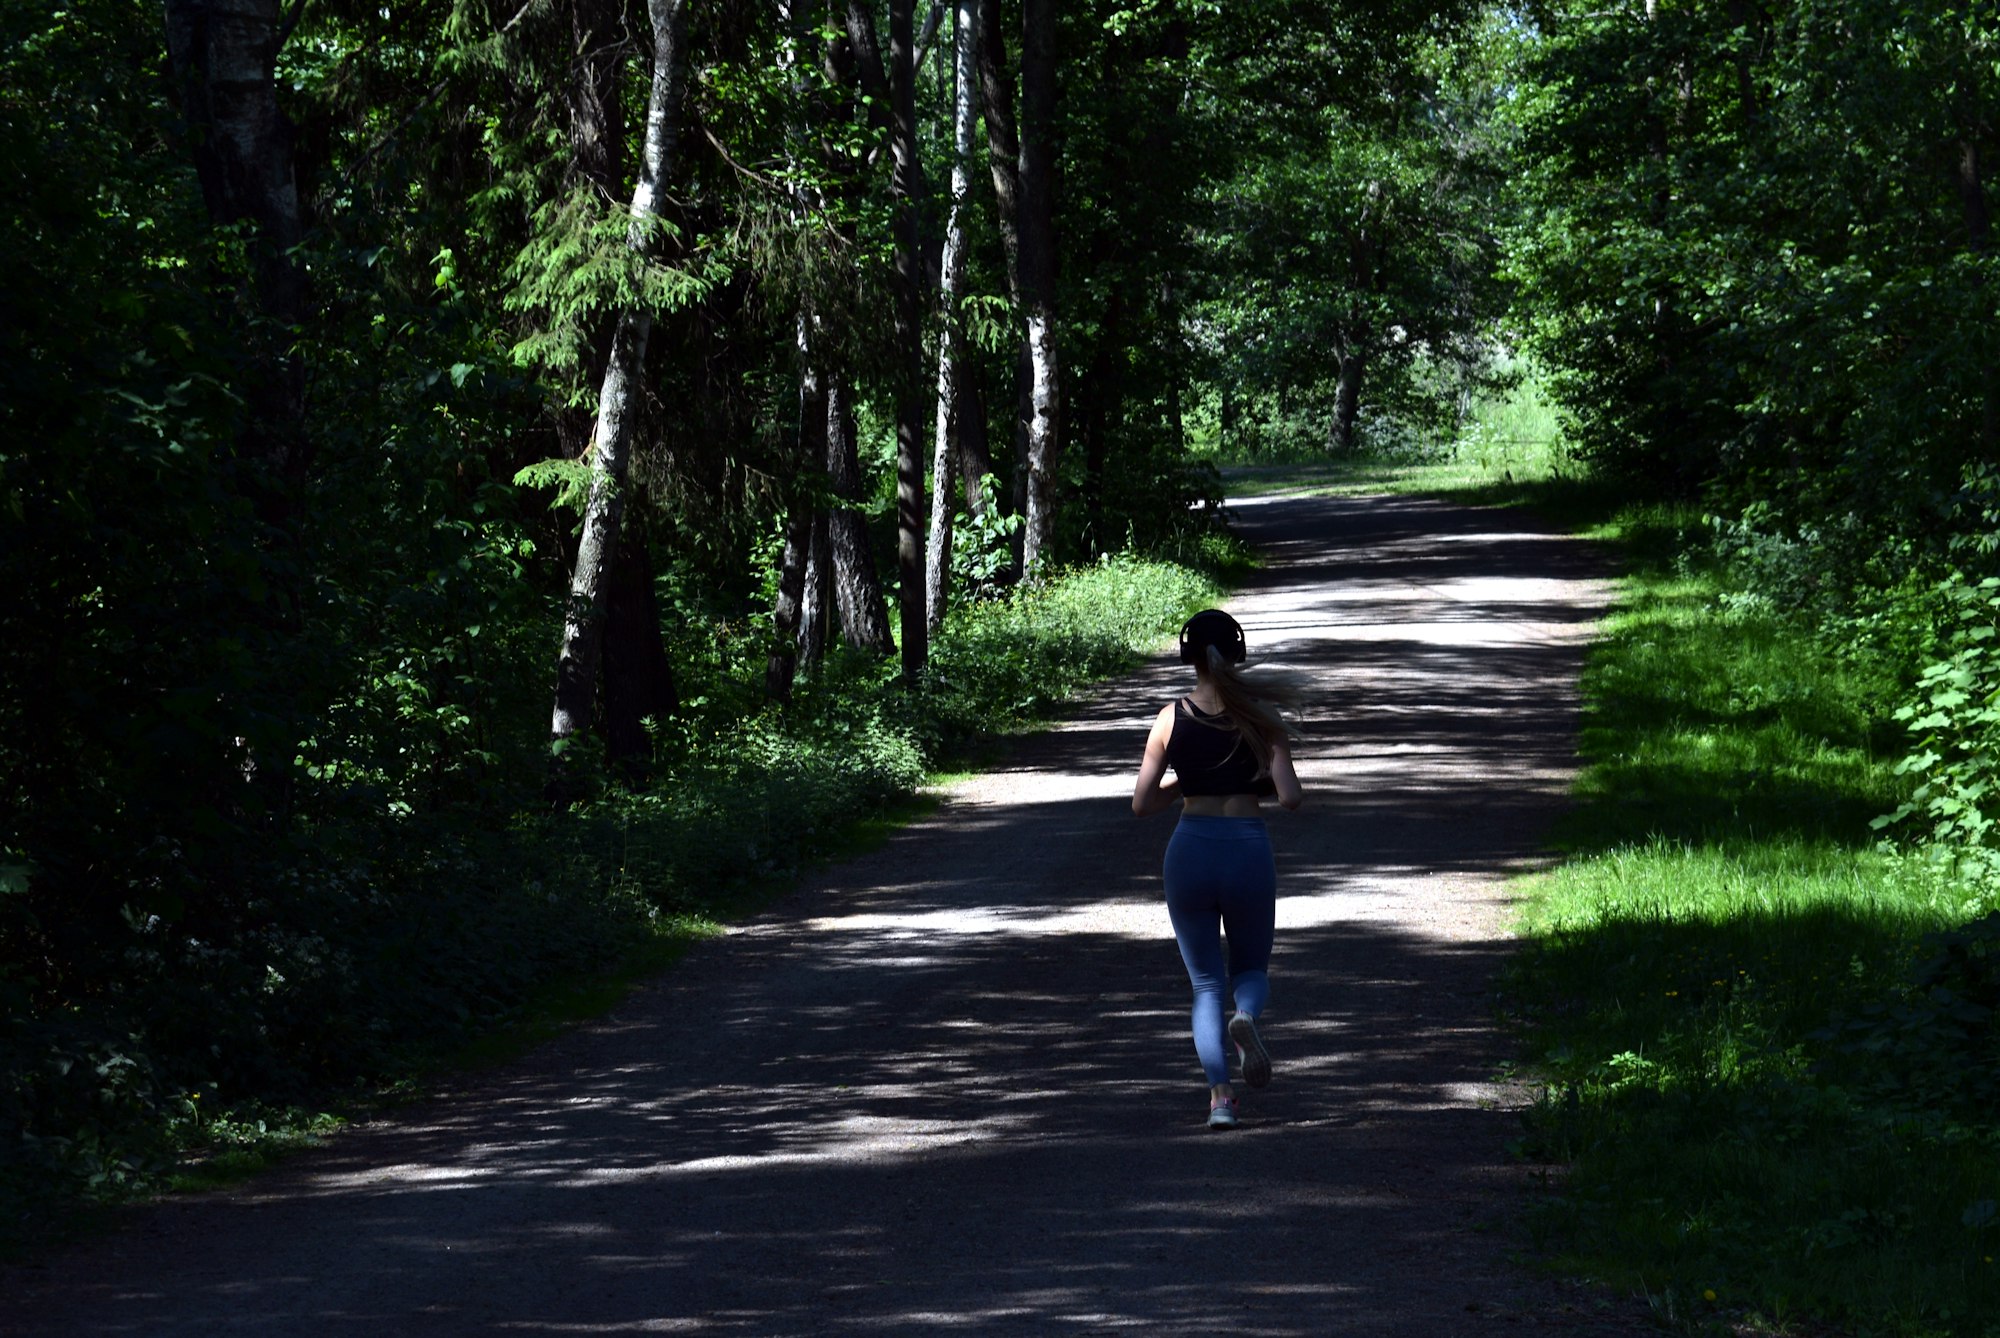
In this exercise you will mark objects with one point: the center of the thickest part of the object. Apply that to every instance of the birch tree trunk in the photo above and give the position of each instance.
(1038, 275)
(816, 600)
(951, 339)
(604, 509)
(635, 676)
(223, 56)
(796, 567)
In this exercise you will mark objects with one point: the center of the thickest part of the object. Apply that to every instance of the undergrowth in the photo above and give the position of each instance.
(445, 939)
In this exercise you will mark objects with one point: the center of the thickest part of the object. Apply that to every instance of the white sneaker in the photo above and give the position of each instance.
(1250, 1050)
(1222, 1112)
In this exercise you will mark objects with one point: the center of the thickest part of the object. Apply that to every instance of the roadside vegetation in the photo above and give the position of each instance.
(1758, 985)
(1767, 1039)
(549, 919)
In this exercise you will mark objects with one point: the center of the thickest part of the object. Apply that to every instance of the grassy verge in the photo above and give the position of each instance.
(1724, 986)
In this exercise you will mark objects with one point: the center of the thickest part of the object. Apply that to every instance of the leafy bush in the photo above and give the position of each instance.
(1933, 1042)
(1956, 717)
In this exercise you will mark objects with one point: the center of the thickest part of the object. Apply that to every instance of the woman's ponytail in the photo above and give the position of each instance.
(1252, 704)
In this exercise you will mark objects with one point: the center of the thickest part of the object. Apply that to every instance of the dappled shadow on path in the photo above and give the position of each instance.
(948, 1086)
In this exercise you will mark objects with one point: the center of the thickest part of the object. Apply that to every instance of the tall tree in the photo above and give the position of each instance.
(951, 333)
(1003, 153)
(894, 84)
(1037, 243)
(604, 507)
(224, 59)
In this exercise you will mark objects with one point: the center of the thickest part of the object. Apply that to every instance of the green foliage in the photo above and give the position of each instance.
(271, 817)
(568, 479)
(1368, 238)
(1956, 721)
(1745, 256)
(579, 269)
(982, 545)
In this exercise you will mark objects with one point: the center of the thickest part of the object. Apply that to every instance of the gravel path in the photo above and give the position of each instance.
(947, 1087)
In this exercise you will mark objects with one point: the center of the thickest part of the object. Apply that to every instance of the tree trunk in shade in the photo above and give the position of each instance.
(638, 677)
(816, 599)
(975, 462)
(906, 187)
(783, 661)
(223, 58)
(1347, 398)
(617, 401)
(857, 590)
(1979, 239)
(1003, 154)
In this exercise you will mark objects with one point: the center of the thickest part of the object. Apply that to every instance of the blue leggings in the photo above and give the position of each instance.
(1220, 876)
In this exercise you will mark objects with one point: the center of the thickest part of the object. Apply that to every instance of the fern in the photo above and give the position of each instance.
(570, 478)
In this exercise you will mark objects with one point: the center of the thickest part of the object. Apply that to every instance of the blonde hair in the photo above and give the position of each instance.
(1252, 705)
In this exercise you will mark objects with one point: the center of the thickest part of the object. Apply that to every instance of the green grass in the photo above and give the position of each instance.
(1508, 443)
(1696, 970)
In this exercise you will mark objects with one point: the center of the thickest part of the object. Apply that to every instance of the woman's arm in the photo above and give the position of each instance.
(1290, 793)
(1156, 791)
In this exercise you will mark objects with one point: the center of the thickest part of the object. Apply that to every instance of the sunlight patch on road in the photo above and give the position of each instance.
(850, 1141)
(1128, 917)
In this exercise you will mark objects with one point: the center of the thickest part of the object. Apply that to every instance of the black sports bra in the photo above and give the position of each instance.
(1210, 757)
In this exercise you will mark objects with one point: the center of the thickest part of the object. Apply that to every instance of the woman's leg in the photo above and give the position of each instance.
(1194, 907)
(1250, 915)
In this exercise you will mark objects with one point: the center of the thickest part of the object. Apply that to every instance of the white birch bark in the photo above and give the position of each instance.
(1038, 260)
(951, 278)
(1044, 401)
(611, 440)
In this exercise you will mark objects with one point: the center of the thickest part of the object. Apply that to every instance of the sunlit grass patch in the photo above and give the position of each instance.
(1508, 448)
(1716, 984)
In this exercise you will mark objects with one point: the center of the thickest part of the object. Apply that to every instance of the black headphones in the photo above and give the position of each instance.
(1212, 627)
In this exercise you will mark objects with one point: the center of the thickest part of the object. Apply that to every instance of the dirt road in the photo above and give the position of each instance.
(948, 1087)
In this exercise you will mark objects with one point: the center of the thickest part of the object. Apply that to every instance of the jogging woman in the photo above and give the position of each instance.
(1228, 748)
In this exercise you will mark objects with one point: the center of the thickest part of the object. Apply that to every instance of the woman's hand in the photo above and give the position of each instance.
(1155, 791)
